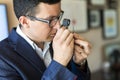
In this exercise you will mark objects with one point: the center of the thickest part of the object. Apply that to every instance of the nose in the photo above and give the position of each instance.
(57, 25)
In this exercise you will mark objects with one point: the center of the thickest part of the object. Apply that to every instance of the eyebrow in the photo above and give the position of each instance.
(49, 17)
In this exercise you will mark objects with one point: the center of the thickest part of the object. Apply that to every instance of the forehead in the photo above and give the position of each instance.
(46, 10)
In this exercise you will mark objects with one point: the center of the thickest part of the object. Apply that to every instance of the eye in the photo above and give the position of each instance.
(52, 18)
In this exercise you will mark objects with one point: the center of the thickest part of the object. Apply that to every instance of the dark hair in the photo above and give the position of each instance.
(27, 7)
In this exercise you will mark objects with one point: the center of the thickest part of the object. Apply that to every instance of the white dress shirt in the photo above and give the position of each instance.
(45, 54)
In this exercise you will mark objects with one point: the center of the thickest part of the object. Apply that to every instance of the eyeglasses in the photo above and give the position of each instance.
(52, 22)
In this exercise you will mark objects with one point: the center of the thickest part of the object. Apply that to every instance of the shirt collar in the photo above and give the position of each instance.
(19, 31)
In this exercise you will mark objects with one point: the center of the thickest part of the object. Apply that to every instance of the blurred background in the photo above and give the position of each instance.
(95, 20)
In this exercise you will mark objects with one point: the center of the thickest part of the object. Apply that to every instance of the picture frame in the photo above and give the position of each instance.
(94, 17)
(3, 22)
(77, 14)
(110, 24)
(112, 4)
(109, 49)
(97, 4)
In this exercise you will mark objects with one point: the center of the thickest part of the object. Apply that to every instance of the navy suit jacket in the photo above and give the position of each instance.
(19, 61)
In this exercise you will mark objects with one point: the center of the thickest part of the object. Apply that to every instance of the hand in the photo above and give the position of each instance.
(63, 44)
(81, 49)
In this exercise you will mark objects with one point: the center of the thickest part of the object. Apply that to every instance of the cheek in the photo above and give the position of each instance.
(39, 32)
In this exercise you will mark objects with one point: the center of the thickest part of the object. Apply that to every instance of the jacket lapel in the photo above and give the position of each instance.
(26, 51)
(51, 50)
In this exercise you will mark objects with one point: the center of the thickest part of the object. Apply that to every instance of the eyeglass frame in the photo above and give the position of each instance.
(47, 21)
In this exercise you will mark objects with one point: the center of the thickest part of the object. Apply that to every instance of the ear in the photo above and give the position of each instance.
(24, 21)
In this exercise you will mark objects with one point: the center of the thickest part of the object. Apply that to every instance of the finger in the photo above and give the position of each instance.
(72, 43)
(59, 33)
(84, 44)
(77, 36)
(77, 57)
(78, 49)
(81, 53)
(80, 56)
(69, 39)
(65, 35)
(84, 56)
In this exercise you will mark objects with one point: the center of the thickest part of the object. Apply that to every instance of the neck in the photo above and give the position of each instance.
(40, 45)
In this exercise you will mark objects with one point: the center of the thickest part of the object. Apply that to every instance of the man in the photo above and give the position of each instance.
(26, 54)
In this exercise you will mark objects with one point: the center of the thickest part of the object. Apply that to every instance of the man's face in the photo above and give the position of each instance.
(40, 31)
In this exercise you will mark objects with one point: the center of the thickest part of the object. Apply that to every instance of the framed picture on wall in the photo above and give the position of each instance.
(112, 4)
(94, 16)
(110, 49)
(3, 22)
(97, 4)
(110, 24)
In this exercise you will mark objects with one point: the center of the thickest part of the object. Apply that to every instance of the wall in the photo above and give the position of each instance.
(96, 38)
(12, 20)
(93, 35)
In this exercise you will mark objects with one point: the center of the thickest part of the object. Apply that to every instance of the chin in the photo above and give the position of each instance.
(49, 40)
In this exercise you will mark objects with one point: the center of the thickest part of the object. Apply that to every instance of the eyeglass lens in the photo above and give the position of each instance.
(54, 21)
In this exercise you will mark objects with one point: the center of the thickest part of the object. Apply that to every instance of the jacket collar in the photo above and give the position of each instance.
(26, 51)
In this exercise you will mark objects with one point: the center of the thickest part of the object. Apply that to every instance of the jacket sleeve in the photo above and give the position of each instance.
(56, 71)
(82, 74)
(7, 72)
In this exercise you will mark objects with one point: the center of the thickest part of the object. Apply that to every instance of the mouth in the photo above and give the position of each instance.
(52, 35)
